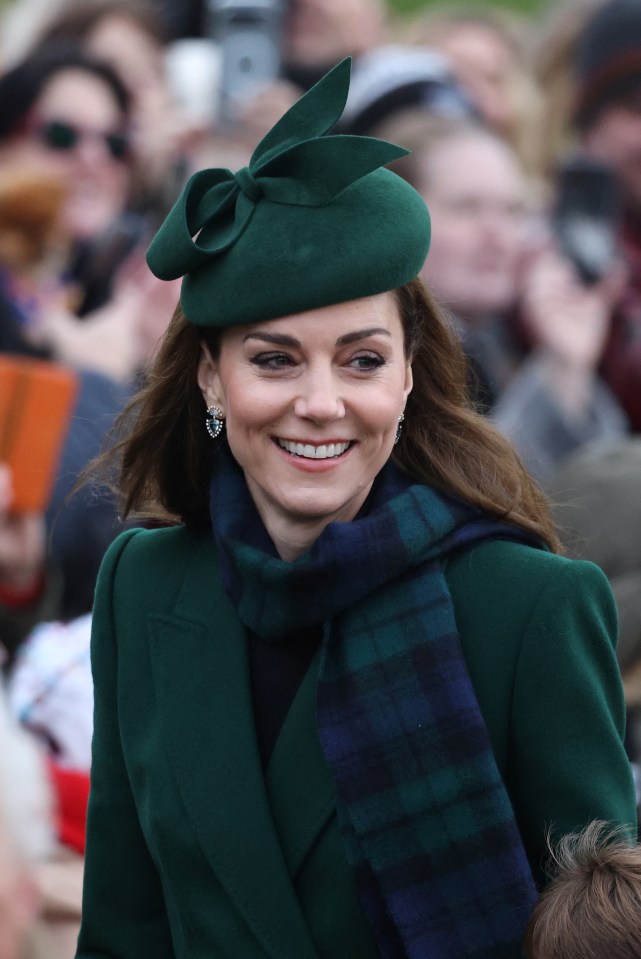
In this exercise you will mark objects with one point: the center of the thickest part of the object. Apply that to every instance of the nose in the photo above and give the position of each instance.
(502, 224)
(90, 152)
(319, 396)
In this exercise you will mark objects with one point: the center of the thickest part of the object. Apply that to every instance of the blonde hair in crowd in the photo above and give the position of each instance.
(592, 907)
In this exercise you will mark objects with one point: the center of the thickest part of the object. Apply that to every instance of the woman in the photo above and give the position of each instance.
(66, 117)
(130, 36)
(534, 334)
(463, 681)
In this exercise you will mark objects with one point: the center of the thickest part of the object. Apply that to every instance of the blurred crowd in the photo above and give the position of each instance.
(525, 140)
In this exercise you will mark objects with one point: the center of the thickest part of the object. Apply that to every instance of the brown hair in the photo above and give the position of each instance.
(166, 457)
(76, 20)
(592, 907)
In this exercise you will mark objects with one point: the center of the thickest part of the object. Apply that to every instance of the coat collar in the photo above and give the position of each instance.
(254, 834)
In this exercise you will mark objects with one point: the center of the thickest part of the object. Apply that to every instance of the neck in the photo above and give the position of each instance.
(293, 536)
(294, 539)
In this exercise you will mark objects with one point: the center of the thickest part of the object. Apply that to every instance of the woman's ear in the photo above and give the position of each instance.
(409, 379)
(208, 378)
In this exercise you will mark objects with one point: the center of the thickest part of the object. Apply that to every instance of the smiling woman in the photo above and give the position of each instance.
(66, 116)
(312, 407)
(340, 704)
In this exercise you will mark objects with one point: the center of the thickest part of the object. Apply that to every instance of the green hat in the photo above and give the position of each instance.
(313, 220)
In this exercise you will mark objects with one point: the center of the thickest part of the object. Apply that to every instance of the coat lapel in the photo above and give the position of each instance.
(300, 787)
(201, 677)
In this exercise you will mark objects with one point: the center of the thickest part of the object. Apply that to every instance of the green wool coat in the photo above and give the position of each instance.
(193, 854)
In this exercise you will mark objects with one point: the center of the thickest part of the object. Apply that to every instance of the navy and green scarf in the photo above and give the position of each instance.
(425, 817)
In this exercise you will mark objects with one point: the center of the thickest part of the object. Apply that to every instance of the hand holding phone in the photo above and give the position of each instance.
(249, 35)
(36, 403)
(22, 542)
(586, 217)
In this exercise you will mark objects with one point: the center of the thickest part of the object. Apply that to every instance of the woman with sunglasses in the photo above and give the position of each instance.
(342, 700)
(65, 115)
(66, 118)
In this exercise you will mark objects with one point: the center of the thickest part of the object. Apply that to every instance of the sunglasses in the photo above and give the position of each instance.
(62, 136)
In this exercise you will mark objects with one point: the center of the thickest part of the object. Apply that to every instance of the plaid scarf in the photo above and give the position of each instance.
(425, 817)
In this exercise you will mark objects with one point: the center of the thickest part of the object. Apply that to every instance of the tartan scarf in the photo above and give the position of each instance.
(425, 818)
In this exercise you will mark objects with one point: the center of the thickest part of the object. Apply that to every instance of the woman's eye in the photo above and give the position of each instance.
(367, 361)
(272, 361)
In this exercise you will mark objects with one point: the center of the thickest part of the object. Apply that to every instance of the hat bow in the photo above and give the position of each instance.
(296, 163)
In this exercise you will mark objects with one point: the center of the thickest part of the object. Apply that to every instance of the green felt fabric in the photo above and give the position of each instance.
(312, 221)
(193, 854)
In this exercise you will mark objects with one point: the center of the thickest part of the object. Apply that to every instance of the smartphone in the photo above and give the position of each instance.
(36, 403)
(586, 216)
(249, 34)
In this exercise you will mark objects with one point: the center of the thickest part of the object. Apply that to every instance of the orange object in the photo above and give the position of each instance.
(36, 402)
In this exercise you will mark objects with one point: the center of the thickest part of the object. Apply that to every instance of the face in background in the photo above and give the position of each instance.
(475, 193)
(615, 138)
(484, 65)
(311, 405)
(322, 32)
(133, 53)
(96, 182)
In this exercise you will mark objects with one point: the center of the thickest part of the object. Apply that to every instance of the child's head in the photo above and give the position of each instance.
(592, 907)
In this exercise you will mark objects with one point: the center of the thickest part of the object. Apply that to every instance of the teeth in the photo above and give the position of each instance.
(328, 451)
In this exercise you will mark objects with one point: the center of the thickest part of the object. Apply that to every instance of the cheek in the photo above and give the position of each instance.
(250, 409)
(380, 416)
(458, 239)
(115, 181)
(47, 163)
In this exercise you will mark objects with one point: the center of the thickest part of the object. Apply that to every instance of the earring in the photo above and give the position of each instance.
(399, 428)
(214, 421)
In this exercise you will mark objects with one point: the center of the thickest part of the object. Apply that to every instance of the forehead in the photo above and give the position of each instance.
(80, 95)
(471, 163)
(480, 44)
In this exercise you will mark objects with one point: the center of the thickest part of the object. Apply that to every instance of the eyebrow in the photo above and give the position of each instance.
(282, 339)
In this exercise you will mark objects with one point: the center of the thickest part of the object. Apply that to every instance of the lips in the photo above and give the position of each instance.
(310, 451)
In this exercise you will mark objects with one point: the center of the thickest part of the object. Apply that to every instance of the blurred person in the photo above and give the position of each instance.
(596, 504)
(487, 51)
(49, 562)
(50, 694)
(553, 40)
(316, 35)
(30, 588)
(597, 507)
(607, 117)
(67, 118)
(592, 906)
(392, 79)
(66, 115)
(26, 837)
(319, 33)
(534, 334)
(78, 530)
(131, 36)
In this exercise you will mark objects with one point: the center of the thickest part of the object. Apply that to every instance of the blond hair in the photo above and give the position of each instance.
(592, 907)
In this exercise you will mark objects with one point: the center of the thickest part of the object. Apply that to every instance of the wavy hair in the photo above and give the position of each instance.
(592, 906)
(164, 457)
